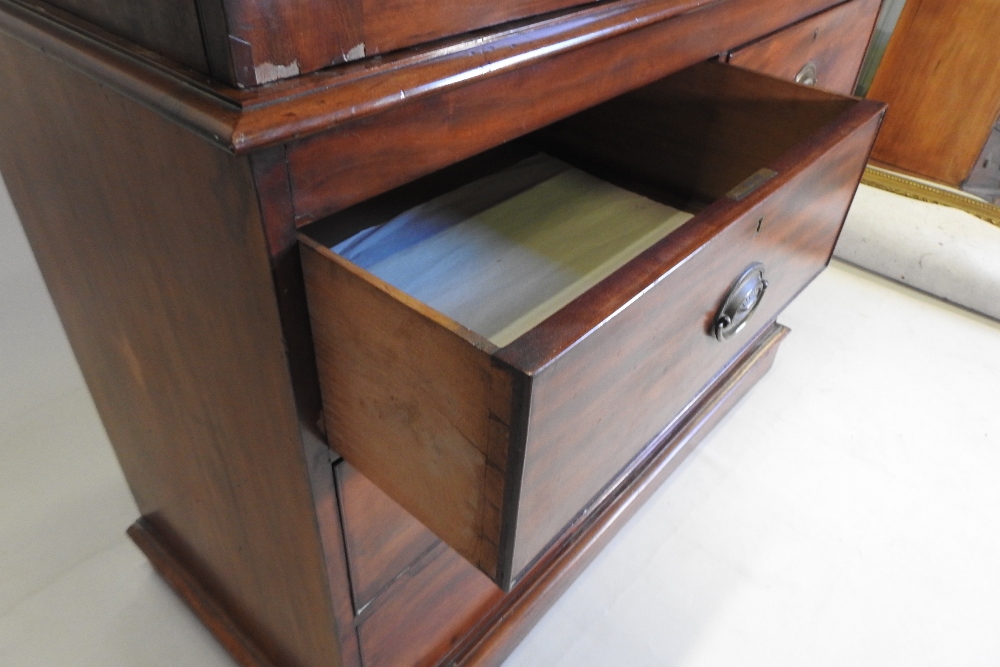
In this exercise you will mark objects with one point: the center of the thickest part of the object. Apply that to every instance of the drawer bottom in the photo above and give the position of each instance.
(495, 633)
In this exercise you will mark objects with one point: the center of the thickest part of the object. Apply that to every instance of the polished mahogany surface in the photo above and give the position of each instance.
(824, 51)
(162, 205)
(152, 247)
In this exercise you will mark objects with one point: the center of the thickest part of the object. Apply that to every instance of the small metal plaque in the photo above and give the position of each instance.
(744, 189)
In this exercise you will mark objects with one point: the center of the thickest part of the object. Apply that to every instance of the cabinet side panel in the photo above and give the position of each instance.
(151, 245)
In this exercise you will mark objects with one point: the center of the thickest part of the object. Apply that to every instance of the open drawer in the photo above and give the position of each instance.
(496, 341)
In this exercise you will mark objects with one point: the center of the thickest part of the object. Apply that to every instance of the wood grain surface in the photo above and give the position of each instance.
(274, 203)
(427, 613)
(736, 139)
(698, 133)
(382, 538)
(940, 78)
(190, 323)
(253, 42)
(393, 24)
(242, 648)
(168, 27)
(834, 42)
(151, 245)
(414, 401)
(457, 616)
(332, 535)
(616, 369)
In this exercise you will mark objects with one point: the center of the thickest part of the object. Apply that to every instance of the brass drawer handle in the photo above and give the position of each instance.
(743, 298)
(807, 75)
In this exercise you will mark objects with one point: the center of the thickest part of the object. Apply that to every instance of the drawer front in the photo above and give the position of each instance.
(496, 450)
(825, 50)
(426, 612)
(602, 401)
(382, 538)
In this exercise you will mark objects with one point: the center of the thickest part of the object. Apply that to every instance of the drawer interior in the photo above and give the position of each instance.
(502, 253)
(501, 242)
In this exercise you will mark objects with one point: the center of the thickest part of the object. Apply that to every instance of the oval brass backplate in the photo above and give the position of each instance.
(741, 301)
(807, 75)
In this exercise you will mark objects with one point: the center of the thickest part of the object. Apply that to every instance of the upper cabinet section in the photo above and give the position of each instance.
(251, 42)
(168, 27)
(247, 43)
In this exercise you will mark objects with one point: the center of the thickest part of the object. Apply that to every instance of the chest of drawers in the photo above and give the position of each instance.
(233, 370)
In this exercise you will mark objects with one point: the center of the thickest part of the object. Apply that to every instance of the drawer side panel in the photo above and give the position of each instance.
(415, 406)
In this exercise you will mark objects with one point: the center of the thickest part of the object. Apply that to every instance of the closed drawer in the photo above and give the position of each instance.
(498, 420)
(825, 51)
(382, 539)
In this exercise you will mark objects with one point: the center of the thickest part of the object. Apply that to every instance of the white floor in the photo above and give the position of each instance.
(843, 514)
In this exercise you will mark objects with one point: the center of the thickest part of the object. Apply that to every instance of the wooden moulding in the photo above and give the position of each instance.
(470, 438)
(240, 646)
(922, 190)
